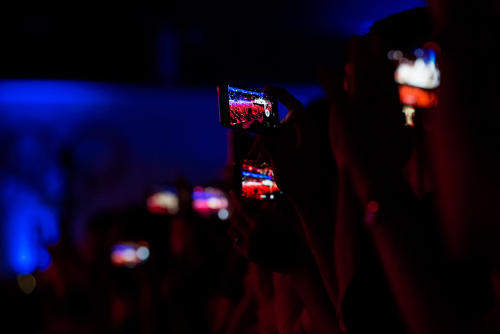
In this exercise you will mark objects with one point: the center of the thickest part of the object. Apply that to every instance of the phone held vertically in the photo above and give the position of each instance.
(418, 77)
(247, 109)
(256, 181)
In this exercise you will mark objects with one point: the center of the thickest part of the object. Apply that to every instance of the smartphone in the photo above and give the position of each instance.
(418, 76)
(256, 181)
(247, 109)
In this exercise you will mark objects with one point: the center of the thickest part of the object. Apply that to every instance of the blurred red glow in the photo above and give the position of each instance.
(373, 206)
(417, 97)
(434, 46)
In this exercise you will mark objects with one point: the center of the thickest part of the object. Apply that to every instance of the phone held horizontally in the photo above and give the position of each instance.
(247, 109)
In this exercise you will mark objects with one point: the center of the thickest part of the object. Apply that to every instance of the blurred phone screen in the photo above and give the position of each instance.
(418, 76)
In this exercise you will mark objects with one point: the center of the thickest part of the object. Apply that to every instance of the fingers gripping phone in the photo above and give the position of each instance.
(247, 109)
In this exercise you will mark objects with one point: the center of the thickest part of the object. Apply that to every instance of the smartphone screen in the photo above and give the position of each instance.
(257, 181)
(418, 76)
(247, 109)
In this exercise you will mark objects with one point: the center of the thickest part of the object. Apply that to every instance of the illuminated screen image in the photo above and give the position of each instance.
(257, 182)
(418, 77)
(246, 106)
(419, 72)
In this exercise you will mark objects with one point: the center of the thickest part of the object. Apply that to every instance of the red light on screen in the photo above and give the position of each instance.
(417, 97)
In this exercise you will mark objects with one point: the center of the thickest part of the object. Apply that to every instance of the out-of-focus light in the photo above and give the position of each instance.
(165, 201)
(213, 203)
(397, 55)
(209, 200)
(433, 46)
(223, 214)
(52, 92)
(129, 254)
(29, 225)
(27, 283)
(142, 253)
(390, 55)
(410, 114)
(417, 97)
(418, 74)
(419, 53)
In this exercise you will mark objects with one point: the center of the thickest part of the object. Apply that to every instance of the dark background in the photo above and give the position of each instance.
(191, 42)
(101, 100)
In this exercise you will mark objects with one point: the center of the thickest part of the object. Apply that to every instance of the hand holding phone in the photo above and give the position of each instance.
(247, 109)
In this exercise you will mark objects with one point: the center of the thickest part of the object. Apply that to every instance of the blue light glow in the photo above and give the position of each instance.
(52, 92)
(28, 225)
(260, 176)
(355, 18)
(165, 131)
(432, 56)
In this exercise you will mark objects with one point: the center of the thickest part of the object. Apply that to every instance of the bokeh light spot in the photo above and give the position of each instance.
(223, 214)
(142, 253)
(419, 53)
